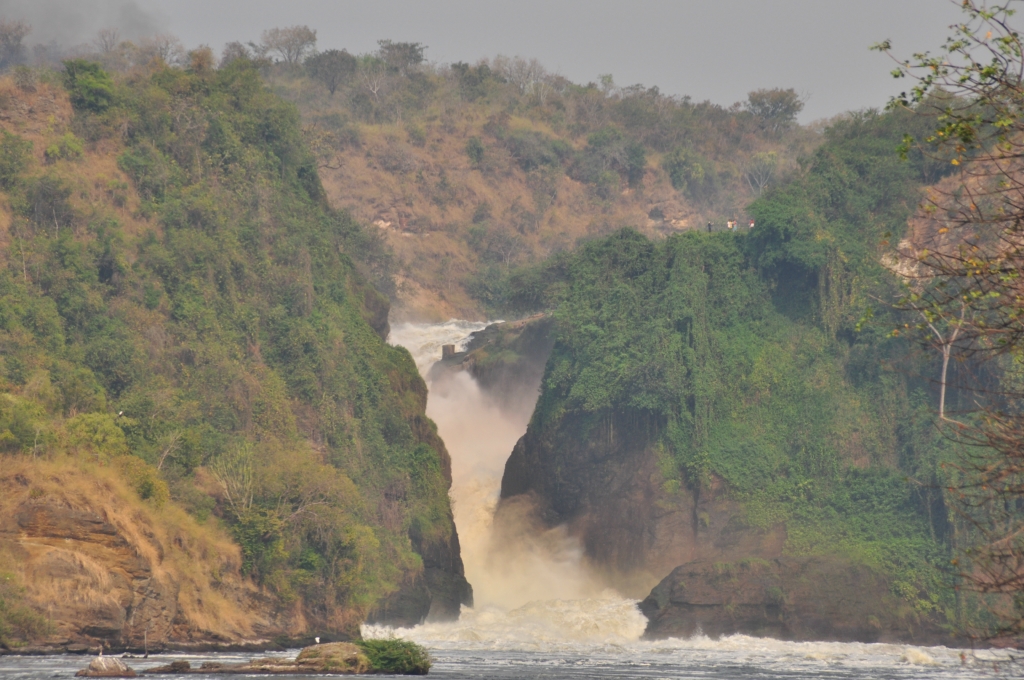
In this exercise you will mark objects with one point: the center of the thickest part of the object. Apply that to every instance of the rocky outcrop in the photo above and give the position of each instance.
(337, 658)
(435, 594)
(506, 360)
(105, 570)
(788, 598)
(601, 477)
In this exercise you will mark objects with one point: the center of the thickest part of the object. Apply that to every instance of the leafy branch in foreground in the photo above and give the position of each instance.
(967, 280)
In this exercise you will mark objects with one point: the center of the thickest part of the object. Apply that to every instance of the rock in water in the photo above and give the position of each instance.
(341, 657)
(332, 658)
(106, 667)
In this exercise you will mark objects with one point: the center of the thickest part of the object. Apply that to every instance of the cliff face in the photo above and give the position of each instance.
(786, 599)
(603, 478)
(104, 568)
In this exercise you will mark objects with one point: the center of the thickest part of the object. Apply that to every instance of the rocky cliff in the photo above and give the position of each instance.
(688, 412)
(602, 477)
(104, 568)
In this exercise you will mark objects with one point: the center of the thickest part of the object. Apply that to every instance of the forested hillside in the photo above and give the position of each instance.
(469, 170)
(184, 327)
(736, 396)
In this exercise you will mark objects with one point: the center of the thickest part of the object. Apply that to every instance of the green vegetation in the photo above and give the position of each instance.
(393, 655)
(209, 328)
(747, 354)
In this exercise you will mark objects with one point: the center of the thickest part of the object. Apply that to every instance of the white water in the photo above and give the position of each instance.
(539, 612)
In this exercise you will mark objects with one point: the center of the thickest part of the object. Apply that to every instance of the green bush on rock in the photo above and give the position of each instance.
(393, 655)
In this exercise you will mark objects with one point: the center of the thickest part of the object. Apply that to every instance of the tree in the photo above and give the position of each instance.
(685, 170)
(331, 68)
(107, 40)
(291, 43)
(374, 75)
(971, 282)
(90, 87)
(233, 51)
(400, 56)
(526, 75)
(323, 143)
(12, 37)
(165, 47)
(760, 169)
(775, 109)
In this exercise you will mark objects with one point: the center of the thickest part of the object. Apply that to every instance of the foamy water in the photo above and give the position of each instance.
(540, 613)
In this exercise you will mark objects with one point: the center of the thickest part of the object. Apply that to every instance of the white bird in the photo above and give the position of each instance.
(120, 413)
(317, 640)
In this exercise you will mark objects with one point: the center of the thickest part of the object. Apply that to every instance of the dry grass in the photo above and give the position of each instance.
(101, 189)
(213, 597)
(426, 232)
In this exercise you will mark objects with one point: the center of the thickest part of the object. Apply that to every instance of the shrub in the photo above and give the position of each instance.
(14, 157)
(68, 147)
(144, 479)
(88, 85)
(96, 434)
(25, 78)
(417, 135)
(475, 150)
(400, 657)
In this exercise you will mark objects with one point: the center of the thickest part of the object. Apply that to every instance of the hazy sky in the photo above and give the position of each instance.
(711, 49)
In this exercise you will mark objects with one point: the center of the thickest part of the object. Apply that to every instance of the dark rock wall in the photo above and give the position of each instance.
(435, 594)
(789, 598)
(600, 475)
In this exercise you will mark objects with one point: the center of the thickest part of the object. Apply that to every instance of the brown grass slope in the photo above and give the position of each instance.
(401, 163)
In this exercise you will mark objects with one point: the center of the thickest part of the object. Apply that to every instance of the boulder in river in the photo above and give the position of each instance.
(106, 667)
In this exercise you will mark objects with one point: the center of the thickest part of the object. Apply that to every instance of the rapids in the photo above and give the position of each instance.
(538, 611)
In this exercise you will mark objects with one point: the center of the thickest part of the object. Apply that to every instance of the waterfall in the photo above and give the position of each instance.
(533, 583)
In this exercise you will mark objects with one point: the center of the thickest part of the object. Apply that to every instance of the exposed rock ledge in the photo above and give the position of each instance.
(789, 598)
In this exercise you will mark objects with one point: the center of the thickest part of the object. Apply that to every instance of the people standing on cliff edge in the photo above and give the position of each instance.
(751, 224)
(709, 227)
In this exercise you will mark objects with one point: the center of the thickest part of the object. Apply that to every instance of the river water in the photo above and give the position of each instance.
(538, 612)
